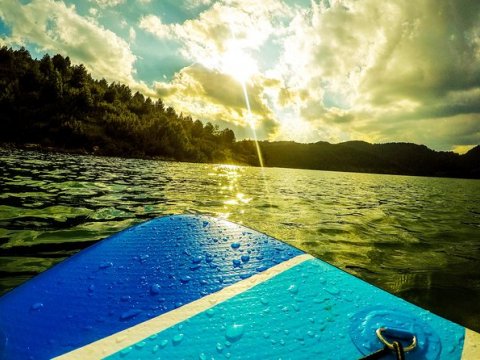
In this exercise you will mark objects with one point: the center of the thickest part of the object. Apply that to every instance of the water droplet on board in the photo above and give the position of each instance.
(130, 314)
(293, 289)
(37, 306)
(210, 312)
(163, 343)
(177, 339)
(245, 258)
(202, 356)
(155, 289)
(219, 347)
(235, 245)
(197, 259)
(155, 348)
(140, 345)
(120, 338)
(185, 279)
(126, 351)
(236, 263)
(234, 332)
(332, 290)
(262, 268)
(105, 265)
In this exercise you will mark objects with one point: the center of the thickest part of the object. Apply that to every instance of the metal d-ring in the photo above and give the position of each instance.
(390, 345)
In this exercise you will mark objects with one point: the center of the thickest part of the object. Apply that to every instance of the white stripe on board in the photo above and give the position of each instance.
(125, 338)
(471, 345)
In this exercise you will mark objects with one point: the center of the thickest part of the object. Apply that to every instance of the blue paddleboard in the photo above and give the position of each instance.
(195, 287)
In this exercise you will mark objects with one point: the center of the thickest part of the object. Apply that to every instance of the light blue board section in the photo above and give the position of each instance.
(312, 311)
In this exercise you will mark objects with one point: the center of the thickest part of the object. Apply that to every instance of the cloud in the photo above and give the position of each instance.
(93, 11)
(210, 95)
(246, 25)
(193, 4)
(385, 68)
(154, 25)
(132, 34)
(107, 3)
(57, 28)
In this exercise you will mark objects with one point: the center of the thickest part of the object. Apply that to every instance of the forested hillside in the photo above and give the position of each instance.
(360, 156)
(53, 103)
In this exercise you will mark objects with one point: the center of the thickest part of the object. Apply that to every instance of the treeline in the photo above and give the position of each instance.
(360, 156)
(55, 104)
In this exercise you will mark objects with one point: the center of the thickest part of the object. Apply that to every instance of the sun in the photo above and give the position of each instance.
(238, 64)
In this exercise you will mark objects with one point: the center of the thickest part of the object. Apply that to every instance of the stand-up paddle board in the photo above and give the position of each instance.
(194, 287)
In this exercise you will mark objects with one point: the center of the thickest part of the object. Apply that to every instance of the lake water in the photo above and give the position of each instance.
(416, 237)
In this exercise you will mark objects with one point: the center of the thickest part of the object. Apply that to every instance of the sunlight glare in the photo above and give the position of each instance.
(238, 64)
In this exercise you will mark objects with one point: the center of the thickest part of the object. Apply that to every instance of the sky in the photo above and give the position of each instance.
(320, 70)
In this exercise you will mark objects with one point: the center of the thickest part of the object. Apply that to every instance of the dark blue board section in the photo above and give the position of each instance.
(128, 278)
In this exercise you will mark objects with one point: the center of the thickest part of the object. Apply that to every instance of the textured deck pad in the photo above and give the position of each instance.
(128, 278)
(310, 311)
(189, 287)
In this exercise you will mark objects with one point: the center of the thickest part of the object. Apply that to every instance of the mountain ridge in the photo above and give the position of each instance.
(359, 156)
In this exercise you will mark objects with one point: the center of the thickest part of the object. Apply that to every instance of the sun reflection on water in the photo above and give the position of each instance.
(235, 198)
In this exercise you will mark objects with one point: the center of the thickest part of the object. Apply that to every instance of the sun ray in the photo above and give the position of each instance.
(242, 78)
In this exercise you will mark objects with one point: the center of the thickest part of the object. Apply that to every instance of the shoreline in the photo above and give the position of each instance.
(84, 152)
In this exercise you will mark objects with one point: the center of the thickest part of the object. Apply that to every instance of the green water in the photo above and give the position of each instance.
(416, 237)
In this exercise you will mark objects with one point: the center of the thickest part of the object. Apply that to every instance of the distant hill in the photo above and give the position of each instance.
(359, 156)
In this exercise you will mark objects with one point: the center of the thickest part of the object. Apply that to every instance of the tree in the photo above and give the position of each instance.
(227, 136)
(79, 76)
(61, 64)
(46, 66)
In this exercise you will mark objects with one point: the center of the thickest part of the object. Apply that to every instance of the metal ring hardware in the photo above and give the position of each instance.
(410, 347)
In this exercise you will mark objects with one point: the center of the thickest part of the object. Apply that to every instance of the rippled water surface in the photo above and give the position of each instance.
(416, 237)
